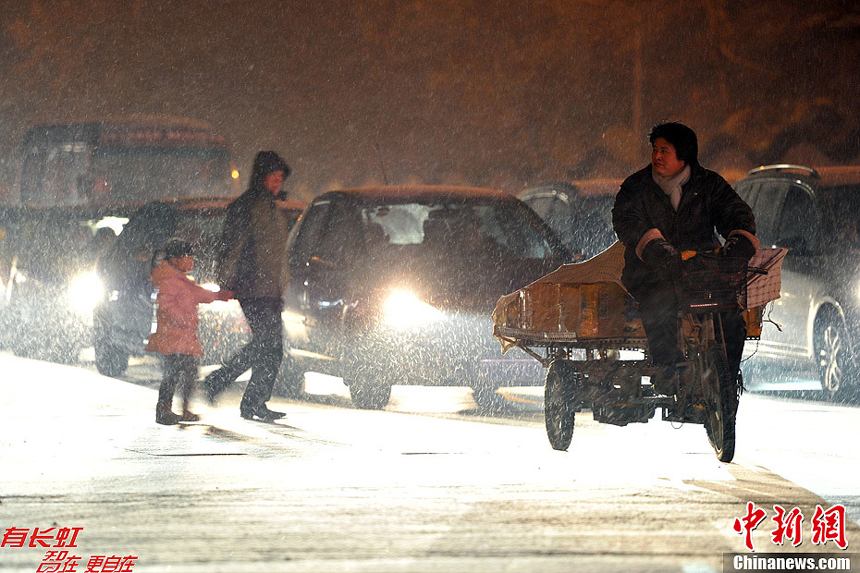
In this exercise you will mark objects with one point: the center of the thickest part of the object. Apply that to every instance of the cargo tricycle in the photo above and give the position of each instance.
(590, 338)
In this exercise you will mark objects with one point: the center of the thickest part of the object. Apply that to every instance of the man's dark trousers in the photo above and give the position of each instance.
(658, 307)
(263, 354)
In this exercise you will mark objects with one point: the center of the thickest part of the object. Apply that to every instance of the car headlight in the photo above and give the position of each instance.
(225, 307)
(85, 291)
(403, 310)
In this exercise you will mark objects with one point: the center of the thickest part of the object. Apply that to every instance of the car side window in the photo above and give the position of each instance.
(513, 229)
(798, 221)
(338, 239)
(309, 233)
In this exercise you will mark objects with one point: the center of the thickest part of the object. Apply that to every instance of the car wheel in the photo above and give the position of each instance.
(110, 360)
(370, 394)
(65, 352)
(486, 397)
(24, 348)
(58, 347)
(23, 341)
(559, 409)
(833, 353)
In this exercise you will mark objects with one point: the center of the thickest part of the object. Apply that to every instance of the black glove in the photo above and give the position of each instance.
(658, 255)
(738, 246)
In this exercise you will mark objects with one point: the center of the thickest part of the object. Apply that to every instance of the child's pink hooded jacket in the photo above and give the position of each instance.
(178, 297)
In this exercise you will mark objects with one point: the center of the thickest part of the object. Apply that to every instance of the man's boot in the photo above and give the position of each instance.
(188, 415)
(165, 415)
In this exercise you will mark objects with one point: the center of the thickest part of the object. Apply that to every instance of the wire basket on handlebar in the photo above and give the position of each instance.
(710, 283)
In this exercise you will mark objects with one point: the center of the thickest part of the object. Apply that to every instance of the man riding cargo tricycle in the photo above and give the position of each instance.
(670, 290)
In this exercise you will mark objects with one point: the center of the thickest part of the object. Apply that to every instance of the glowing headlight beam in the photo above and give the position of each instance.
(403, 310)
(85, 291)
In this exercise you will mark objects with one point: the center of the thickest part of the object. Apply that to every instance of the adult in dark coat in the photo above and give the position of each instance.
(670, 206)
(252, 262)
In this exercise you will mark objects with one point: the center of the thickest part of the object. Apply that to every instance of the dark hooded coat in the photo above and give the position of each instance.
(252, 259)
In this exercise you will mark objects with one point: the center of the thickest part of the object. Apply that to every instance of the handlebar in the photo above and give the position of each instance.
(687, 255)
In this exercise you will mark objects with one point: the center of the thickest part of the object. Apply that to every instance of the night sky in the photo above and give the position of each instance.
(480, 92)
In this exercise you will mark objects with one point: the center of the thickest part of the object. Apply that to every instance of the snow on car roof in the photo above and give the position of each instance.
(420, 193)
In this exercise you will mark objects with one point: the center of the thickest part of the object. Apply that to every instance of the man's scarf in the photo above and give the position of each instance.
(671, 186)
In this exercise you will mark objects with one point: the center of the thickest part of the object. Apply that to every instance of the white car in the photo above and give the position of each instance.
(814, 213)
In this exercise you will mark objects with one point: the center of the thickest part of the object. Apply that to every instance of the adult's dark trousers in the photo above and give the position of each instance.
(658, 307)
(262, 354)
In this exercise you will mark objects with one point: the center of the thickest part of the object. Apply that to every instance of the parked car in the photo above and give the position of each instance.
(124, 318)
(396, 285)
(47, 265)
(814, 213)
(580, 212)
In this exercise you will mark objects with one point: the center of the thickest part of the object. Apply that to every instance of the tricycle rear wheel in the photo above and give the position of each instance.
(558, 404)
(721, 401)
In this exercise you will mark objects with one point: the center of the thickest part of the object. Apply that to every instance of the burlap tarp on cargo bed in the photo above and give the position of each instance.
(540, 310)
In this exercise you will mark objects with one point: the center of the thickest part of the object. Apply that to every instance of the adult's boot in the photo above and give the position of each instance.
(165, 415)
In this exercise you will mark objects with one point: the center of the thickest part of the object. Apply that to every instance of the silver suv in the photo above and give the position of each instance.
(814, 213)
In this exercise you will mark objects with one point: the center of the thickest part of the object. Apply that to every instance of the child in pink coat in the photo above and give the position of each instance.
(176, 334)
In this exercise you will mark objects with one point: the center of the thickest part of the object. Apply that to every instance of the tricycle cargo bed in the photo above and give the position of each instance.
(571, 311)
(585, 304)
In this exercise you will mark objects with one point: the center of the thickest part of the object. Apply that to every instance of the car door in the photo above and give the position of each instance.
(320, 263)
(300, 246)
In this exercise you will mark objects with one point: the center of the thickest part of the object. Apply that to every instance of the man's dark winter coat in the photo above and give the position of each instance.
(252, 259)
(707, 201)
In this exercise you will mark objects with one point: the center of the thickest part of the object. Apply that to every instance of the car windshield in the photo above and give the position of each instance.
(583, 222)
(590, 228)
(456, 227)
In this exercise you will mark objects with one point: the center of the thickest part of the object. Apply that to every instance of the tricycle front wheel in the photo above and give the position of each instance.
(721, 401)
(558, 404)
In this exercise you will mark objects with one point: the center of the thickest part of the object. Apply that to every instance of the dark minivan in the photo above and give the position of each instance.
(396, 285)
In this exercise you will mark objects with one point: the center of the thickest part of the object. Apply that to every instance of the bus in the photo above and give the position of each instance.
(126, 160)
